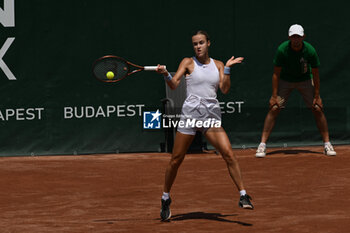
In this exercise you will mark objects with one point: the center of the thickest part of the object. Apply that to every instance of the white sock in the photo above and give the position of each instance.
(327, 144)
(165, 196)
(262, 144)
(242, 192)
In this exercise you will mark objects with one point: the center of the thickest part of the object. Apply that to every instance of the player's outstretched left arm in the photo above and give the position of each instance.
(225, 81)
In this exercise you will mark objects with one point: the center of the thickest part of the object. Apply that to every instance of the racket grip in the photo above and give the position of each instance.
(151, 68)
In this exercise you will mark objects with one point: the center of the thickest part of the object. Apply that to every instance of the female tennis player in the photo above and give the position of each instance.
(203, 76)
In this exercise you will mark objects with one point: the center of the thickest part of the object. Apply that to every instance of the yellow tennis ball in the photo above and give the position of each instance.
(110, 75)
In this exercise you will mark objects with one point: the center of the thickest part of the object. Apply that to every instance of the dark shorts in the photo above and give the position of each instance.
(305, 88)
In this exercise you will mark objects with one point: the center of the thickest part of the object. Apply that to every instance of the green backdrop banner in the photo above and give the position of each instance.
(51, 104)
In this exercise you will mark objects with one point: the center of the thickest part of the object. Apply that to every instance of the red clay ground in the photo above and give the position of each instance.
(293, 190)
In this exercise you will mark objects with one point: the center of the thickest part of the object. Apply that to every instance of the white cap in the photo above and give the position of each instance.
(296, 29)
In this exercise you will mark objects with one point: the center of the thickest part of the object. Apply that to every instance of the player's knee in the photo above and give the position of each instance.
(176, 161)
(275, 110)
(317, 110)
(229, 157)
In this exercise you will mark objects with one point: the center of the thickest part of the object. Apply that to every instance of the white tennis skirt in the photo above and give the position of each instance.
(199, 114)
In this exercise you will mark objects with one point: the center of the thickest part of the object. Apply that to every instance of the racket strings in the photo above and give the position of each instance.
(117, 66)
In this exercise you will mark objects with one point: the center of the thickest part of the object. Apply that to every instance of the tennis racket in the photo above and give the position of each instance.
(113, 69)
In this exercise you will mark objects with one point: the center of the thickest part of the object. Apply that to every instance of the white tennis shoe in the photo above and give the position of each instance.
(329, 150)
(261, 152)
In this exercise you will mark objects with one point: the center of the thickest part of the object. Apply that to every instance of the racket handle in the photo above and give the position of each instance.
(151, 68)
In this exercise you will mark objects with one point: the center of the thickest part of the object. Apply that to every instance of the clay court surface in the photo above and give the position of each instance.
(293, 190)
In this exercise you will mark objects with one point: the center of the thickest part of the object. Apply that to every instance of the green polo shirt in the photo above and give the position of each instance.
(296, 66)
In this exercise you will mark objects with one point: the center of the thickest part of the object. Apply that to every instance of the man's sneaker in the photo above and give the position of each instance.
(329, 150)
(165, 212)
(244, 202)
(261, 152)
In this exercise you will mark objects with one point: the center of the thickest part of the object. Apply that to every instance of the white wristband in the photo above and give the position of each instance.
(227, 70)
(168, 78)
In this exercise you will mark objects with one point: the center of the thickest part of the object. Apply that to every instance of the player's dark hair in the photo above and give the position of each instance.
(201, 32)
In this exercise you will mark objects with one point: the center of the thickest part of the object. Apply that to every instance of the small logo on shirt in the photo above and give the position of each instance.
(151, 120)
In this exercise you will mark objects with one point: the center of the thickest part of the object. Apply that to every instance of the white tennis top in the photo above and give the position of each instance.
(204, 80)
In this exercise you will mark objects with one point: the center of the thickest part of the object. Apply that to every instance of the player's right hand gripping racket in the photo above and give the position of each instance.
(113, 69)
